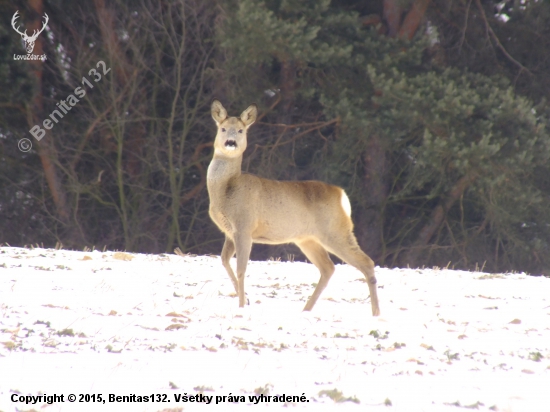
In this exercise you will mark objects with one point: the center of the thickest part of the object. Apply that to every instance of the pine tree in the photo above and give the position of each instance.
(439, 163)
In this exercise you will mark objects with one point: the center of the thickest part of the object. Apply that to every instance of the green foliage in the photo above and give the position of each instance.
(453, 124)
(291, 30)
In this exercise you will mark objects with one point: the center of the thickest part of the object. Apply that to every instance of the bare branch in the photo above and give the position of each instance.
(497, 41)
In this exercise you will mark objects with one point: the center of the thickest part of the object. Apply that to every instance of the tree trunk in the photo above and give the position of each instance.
(413, 19)
(370, 230)
(404, 28)
(370, 224)
(46, 147)
(392, 14)
(436, 219)
(134, 137)
(288, 85)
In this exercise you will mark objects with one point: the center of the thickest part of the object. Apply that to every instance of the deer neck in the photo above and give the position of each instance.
(221, 170)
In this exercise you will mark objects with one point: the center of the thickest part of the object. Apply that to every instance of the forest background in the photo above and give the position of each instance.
(432, 115)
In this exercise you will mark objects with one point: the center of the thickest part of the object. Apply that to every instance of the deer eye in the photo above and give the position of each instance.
(223, 129)
(241, 130)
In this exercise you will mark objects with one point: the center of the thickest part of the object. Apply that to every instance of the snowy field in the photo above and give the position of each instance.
(105, 324)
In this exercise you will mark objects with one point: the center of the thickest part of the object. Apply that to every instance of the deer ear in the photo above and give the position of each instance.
(249, 115)
(219, 114)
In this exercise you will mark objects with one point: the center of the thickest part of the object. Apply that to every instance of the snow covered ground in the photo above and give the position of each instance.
(118, 324)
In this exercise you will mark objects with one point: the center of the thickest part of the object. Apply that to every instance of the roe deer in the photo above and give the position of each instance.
(249, 209)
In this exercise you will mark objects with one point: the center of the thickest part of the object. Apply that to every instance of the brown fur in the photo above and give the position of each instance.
(249, 209)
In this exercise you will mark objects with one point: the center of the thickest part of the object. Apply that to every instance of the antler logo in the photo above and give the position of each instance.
(29, 40)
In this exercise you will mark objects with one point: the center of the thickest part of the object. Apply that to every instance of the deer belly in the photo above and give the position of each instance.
(274, 234)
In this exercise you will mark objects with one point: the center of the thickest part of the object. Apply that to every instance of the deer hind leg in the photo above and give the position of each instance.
(320, 258)
(347, 249)
(243, 244)
(227, 253)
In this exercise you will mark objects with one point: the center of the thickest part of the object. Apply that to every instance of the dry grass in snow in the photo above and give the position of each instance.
(123, 324)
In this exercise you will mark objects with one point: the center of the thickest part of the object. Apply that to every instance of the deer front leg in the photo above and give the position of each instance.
(243, 244)
(227, 253)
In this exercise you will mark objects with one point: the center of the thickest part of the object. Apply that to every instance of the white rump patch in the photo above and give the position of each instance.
(345, 204)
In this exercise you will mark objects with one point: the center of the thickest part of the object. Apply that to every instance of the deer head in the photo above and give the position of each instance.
(29, 40)
(231, 137)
